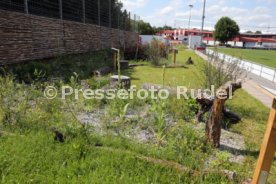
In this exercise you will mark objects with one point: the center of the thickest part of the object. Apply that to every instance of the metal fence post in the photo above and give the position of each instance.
(26, 6)
(134, 23)
(60, 9)
(261, 70)
(138, 24)
(129, 23)
(109, 10)
(83, 11)
(274, 77)
(99, 12)
(243, 63)
(110, 30)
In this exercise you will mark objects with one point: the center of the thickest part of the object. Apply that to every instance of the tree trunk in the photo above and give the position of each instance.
(214, 122)
(213, 125)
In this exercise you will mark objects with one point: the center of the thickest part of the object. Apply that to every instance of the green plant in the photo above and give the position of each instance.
(218, 71)
(13, 100)
(158, 109)
(221, 160)
(123, 112)
(74, 80)
(156, 51)
(163, 76)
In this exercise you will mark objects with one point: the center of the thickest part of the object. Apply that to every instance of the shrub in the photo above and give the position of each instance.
(156, 51)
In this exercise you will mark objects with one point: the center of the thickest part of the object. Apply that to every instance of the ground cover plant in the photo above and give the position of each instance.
(120, 140)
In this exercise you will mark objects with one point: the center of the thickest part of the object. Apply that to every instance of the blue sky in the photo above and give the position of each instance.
(250, 14)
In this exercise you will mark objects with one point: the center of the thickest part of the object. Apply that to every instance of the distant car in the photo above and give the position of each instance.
(201, 48)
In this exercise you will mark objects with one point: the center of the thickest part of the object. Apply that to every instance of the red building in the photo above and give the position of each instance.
(243, 40)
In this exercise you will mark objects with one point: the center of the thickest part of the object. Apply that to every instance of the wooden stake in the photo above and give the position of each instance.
(174, 56)
(115, 61)
(268, 149)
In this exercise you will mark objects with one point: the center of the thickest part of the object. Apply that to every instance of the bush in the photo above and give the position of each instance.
(61, 67)
(156, 51)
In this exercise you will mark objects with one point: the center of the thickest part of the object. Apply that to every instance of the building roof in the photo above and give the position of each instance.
(184, 31)
(249, 39)
(241, 38)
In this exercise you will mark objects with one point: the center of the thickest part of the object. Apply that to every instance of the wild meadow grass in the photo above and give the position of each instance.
(177, 154)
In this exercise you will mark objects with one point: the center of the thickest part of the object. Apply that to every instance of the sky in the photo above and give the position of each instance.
(249, 14)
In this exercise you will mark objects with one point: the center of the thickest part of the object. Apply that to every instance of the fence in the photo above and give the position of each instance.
(107, 13)
(255, 68)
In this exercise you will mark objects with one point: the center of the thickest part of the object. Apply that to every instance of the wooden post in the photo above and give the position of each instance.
(174, 56)
(268, 149)
(115, 61)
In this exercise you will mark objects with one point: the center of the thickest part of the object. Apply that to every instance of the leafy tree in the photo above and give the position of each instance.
(258, 32)
(145, 28)
(249, 32)
(165, 27)
(226, 29)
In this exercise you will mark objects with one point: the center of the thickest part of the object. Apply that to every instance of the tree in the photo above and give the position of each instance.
(225, 77)
(226, 29)
(145, 28)
(258, 32)
(165, 27)
(249, 32)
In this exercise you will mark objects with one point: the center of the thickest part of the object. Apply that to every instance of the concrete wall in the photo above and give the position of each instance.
(26, 37)
(266, 44)
(235, 44)
(211, 43)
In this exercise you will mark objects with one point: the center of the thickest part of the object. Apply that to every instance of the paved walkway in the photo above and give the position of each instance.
(256, 86)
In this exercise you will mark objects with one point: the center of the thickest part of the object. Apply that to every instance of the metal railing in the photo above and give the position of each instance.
(252, 67)
(107, 13)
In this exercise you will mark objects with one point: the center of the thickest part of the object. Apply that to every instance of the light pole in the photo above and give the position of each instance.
(191, 6)
(203, 18)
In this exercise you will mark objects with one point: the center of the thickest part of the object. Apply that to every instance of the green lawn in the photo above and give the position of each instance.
(264, 57)
(189, 75)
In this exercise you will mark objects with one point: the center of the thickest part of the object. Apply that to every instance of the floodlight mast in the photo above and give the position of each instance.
(191, 6)
(203, 18)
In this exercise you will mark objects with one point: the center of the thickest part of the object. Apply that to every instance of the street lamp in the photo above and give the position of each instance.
(191, 6)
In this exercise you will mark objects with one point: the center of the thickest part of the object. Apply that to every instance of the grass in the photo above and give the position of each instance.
(252, 127)
(29, 153)
(264, 57)
(36, 158)
(189, 76)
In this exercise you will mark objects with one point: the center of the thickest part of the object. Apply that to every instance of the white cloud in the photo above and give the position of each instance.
(176, 12)
(166, 10)
(132, 5)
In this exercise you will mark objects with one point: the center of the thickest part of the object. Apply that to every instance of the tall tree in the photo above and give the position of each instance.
(165, 27)
(145, 28)
(226, 29)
